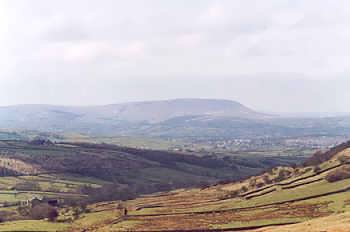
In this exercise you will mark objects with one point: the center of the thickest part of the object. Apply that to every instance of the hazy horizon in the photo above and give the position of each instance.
(272, 56)
(280, 113)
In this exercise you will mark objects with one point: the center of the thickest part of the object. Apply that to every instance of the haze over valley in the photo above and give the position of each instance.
(174, 116)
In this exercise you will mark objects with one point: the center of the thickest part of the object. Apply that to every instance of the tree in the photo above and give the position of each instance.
(339, 174)
(42, 211)
(52, 215)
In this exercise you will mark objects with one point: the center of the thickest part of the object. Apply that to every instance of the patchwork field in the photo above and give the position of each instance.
(66, 167)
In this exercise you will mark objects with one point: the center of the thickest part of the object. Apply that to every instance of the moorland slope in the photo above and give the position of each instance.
(267, 202)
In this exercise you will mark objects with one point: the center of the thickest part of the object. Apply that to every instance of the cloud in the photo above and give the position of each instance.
(124, 45)
(65, 31)
(214, 14)
(90, 51)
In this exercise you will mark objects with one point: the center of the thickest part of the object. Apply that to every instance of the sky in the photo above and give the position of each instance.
(272, 55)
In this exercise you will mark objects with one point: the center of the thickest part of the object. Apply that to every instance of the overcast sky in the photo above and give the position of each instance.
(272, 55)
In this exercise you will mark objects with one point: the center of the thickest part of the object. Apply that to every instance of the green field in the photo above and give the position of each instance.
(299, 198)
(33, 226)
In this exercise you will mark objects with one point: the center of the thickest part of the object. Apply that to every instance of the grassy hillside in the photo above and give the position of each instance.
(278, 197)
(333, 223)
(281, 199)
(82, 173)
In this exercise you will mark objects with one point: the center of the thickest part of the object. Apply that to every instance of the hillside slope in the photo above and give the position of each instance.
(278, 197)
(128, 169)
(333, 223)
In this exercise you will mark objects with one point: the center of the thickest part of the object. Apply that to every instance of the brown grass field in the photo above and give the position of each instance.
(304, 201)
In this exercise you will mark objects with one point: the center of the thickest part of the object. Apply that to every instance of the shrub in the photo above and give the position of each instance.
(266, 179)
(231, 194)
(317, 169)
(234, 194)
(244, 189)
(308, 169)
(282, 175)
(259, 184)
(252, 183)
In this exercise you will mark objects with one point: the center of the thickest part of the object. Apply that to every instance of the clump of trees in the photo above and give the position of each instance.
(320, 157)
(108, 192)
(317, 169)
(266, 179)
(339, 174)
(39, 211)
(282, 175)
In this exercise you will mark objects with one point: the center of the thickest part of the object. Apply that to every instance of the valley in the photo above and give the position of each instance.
(174, 116)
(281, 197)
(200, 165)
(83, 173)
(260, 203)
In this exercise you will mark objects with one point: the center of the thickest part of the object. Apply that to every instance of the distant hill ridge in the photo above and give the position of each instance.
(124, 118)
(176, 118)
(151, 111)
(155, 111)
